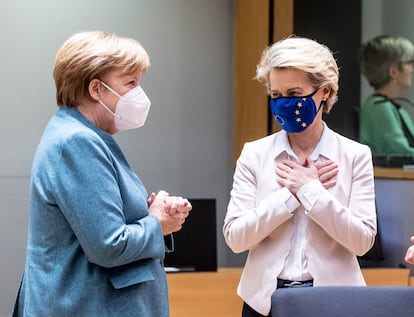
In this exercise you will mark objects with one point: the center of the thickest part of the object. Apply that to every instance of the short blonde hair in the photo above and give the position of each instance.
(315, 59)
(89, 55)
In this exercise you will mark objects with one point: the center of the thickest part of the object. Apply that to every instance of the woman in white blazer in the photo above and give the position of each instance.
(303, 201)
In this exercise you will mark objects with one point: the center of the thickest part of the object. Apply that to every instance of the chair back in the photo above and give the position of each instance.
(344, 301)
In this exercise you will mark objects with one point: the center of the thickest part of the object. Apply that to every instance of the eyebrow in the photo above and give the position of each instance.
(290, 90)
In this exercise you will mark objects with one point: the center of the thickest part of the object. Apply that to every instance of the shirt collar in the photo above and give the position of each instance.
(326, 146)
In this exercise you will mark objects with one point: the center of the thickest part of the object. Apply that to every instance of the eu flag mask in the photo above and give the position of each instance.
(294, 114)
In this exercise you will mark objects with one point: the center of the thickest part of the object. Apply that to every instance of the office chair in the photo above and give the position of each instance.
(344, 301)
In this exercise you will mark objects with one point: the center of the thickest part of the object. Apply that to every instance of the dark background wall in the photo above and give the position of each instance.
(336, 24)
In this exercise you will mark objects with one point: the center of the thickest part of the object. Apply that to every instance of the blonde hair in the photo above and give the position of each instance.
(315, 59)
(89, 55)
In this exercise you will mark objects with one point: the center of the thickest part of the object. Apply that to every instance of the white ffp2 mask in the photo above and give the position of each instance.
(131, 110)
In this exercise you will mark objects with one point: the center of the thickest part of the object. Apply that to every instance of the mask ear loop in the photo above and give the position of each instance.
(107, 108)
(321, 105)
(102, 103)
(111, 90)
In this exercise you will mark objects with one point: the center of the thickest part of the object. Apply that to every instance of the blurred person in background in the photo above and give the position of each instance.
(387, 64)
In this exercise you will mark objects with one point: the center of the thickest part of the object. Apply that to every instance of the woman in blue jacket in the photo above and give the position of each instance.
(96, 241)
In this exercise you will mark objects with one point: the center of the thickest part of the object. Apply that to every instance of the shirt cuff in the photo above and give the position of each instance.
(309, 193)
(289, 200)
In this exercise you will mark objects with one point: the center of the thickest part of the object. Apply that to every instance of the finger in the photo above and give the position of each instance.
(282, 167)
(281, 180)
(284, 170)
(178, 202)
(329, 175)
(290, 164)
(151, 198)
(326, 166)
(186, 210)
(185, 206)
(163, 193)
(330, 169)
(329, 184)
(168, 204)
(175, 204)
(188, 205)
(281, 174)
(323, 164)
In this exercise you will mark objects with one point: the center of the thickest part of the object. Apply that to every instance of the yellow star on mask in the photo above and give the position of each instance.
(299, 104)
(298, 119)
(304, 124)
(297, 112)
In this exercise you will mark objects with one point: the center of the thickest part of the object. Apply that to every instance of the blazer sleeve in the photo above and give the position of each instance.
(347, 213)
(250, 219)
(87, 192)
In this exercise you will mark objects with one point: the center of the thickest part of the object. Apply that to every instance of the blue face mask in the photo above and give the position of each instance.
(294, 114)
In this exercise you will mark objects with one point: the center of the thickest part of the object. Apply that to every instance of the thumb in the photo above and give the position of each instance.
(151, 198)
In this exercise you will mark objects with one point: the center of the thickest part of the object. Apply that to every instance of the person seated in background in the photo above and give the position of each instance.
(387, 64)
(409, 256)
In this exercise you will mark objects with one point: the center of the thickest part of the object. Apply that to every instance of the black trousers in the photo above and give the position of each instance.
(247, 311)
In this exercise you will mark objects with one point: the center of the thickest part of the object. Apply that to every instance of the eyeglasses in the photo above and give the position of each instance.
(410, 62)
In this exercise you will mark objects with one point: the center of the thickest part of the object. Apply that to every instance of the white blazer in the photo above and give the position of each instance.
(343, 218)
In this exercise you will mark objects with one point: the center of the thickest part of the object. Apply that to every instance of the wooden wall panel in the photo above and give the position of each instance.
(250, 100)
(283, 26)
(254, 30)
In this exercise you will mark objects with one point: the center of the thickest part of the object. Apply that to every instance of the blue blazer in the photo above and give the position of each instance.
(93, 249)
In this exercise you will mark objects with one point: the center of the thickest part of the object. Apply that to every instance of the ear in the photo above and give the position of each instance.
(94, 89)
(393, 72)
(326, 92)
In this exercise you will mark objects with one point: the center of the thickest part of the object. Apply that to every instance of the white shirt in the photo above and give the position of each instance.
(296, 263)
